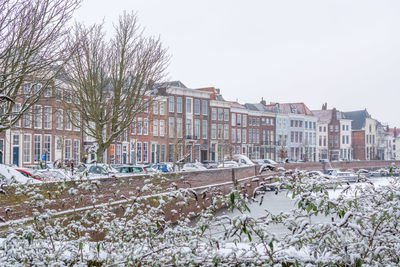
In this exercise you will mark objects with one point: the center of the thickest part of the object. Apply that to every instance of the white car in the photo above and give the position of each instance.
(9, 175)
(193, 167)
(228, 164)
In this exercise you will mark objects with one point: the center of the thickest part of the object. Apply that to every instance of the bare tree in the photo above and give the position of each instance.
(32, 34)
(113, 80)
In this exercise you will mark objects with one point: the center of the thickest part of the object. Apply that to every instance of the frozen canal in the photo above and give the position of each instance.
(276, 204)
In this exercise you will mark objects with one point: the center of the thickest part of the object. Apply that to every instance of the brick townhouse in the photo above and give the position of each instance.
(261, 131)
(333, 126)
(364, 141)
(43, 133)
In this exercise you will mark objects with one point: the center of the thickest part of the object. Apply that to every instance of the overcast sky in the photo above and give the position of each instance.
(346, 53)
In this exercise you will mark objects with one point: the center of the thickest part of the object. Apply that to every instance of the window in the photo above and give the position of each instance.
(197, 107)
(68, 149)
(189, 108)
(47, 92)
(16, 109)
(155, 108)
(189, 127)
(226, 131)
(238, 120)
(347, 139)
(155, 127)
(204, 107)
(145, 126)
(139, 126)
(146, 107)
(59, 119)
(244, 137)
(233, 136)
(179, 104)
(162, 127)
(306, 124)
(68, 124)
(336, 128)
(213, 131)
(47, 147)
(220, 114)
(139, 152)
(226, 114)
(162, 108)
(145, 152)
(171, 127)
(27, 119)
(300, 123)
(251, 135)
(76, 151)
(27, 88)
(37, 145)
(37, 116)
(133, 126)
(171, 103)
(214, 114)
(179, 127)
(77, 121)
(239, 135)
(197, 129)
(219, 133)
(204, 129)
(67, 96)
(244, 120)
(47, 117)
(233, 122)
(27, 148)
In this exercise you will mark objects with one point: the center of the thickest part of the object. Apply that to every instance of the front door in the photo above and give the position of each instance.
(16, 155)
(203, 155)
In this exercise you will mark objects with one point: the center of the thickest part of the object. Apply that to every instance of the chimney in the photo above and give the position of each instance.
(263, 101)
(325, 106)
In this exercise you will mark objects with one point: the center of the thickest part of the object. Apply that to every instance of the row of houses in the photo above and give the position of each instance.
(184, 124)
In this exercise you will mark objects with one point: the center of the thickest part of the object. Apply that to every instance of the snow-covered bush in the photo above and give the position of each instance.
(330, 224)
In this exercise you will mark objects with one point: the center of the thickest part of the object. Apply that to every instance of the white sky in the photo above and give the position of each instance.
(346, 53)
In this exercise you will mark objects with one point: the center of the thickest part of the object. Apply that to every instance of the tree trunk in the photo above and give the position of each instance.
(100, 153)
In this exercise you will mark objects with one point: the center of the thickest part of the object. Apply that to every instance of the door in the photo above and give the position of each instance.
(203, 155)
(16, 156)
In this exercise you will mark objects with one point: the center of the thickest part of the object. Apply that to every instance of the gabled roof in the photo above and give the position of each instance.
(395, 132)
(174, 84)
(358, 118)
(258, 107)
(292, 108)
(215, 93)
(325, 115)
(237, 105)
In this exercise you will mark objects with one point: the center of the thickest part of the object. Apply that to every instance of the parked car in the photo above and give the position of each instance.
(35, 174)
(264, 161)
(228, 164)
(193, 167)
(163, 167)
(242, 160)
(58, 174)
(9, 175)
(96, 170)
(209, 164)
(131, 169)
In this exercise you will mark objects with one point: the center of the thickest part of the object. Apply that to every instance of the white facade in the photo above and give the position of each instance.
(346, 152)
(322, 141)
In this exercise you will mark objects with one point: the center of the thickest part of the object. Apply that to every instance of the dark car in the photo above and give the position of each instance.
(210, 164)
